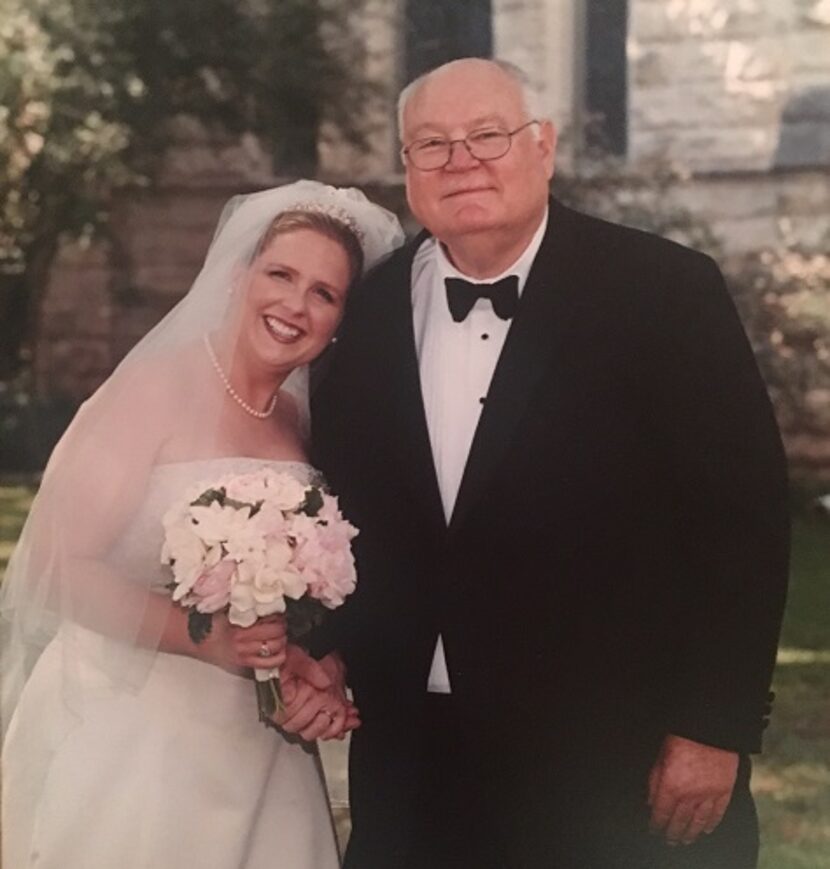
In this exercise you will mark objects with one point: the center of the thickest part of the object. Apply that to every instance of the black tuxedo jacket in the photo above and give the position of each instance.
(616, 564)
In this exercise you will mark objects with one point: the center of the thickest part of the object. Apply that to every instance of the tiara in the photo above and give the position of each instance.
(331, 210)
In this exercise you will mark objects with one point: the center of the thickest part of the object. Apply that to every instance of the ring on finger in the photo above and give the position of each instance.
(264, 651)
(327, 712)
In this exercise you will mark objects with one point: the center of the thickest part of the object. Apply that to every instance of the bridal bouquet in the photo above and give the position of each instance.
(257, 544)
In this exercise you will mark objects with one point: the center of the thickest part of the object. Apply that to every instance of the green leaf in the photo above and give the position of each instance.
(207, 498)
(199, 625)
(313, 501)
(302, 615)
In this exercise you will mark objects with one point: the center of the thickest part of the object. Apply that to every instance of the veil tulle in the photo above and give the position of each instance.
(64, 574)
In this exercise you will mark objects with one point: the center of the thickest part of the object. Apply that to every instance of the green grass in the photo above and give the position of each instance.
(15, 499)
(792, 777)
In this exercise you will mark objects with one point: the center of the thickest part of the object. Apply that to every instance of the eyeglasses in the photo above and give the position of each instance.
(435, 152)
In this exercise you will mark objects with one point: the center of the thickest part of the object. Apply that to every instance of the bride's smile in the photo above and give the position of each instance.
(282, 331)
(294, 299)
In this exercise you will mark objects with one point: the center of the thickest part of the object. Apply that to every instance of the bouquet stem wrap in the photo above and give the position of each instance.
(268, 694)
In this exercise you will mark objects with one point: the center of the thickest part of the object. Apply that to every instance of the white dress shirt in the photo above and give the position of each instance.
(456, 363)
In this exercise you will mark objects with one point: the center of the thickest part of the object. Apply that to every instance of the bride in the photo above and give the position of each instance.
(127, 745)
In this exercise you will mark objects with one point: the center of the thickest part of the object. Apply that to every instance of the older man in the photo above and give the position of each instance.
(571, 494)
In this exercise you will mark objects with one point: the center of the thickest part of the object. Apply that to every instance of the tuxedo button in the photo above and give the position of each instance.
(482, 399)
(484, 337)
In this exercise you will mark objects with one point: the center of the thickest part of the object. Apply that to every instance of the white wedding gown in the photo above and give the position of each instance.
(179, 774)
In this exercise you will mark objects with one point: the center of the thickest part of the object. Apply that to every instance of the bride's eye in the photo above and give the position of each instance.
(326, 295)
(280, 274)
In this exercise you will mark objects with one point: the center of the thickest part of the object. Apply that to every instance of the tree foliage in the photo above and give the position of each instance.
(783, 295)
(88, 87)
(636, 195)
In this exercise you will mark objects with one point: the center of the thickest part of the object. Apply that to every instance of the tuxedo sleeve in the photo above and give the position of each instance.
(337, 379)
(726, 470)
(328, 436)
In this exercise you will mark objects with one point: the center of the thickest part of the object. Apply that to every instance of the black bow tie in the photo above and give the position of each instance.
(462, 295)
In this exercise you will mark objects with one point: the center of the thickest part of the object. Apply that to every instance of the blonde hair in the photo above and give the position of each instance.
(317, 221)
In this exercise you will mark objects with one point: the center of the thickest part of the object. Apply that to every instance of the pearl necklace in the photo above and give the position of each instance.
(259, 414)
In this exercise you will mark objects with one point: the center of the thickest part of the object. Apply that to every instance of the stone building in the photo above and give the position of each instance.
(734, 93)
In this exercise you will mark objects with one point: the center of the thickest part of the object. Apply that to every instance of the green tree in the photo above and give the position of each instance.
(88, 89)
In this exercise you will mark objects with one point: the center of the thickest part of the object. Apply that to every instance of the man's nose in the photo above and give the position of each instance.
(461, 157)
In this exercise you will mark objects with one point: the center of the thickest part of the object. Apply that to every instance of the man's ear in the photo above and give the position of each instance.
(547, 146)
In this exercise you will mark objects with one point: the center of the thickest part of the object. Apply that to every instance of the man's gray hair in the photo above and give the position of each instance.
(531, 101)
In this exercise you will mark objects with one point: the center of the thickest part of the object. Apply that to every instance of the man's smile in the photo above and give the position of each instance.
(468, 191)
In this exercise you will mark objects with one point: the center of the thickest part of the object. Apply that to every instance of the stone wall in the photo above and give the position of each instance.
(101, 299)
(758, 211)
(543, 38)
(730, 85)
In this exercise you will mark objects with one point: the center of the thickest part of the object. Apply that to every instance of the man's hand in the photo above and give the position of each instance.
(314, 694)
(299, 665)
(690, 786)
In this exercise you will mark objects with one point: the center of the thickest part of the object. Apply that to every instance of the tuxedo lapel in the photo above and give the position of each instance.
(544, 311)
(405, 417)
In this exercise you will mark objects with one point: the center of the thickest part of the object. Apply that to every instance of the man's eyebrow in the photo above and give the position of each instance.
(432, 127)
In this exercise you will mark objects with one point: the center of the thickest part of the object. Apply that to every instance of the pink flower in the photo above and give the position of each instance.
(271, 522)
(335, 536)
(309, 552)
(330, 511)
(330, 576)
(212, 590)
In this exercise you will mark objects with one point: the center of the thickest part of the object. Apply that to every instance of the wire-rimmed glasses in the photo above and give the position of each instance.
(435, 152)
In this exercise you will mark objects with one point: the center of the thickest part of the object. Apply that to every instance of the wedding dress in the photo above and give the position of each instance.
(180, 774)
(118, 755)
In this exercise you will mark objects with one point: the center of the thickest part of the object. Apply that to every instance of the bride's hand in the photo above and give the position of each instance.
(238, 650)
(314, 714)
(316, 706)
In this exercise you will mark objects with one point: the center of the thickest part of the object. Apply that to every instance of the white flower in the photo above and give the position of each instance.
(271, 520)
(248, 488)
(294, 584)
(213, 556)
(242, 610)
(186, 553)
(215, 524)
(268, 591)
(278, 554)
(246, 543)
(245, 573)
